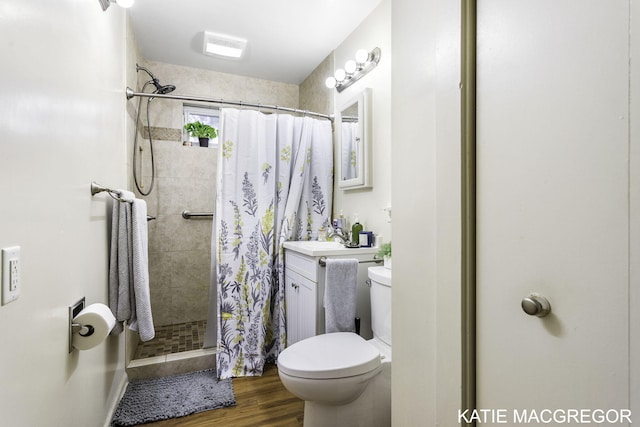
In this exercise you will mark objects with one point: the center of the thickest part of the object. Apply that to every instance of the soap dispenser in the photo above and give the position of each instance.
(356, 228)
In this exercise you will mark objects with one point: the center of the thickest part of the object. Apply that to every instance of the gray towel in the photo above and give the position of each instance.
(141, 319)
(340, 294)
(129, 297)
(120, 278)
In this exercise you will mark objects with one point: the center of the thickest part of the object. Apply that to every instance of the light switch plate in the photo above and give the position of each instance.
(11, 266)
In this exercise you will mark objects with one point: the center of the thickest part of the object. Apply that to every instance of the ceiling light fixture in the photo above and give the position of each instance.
(354, 70)
(122, 3)
(223, 46)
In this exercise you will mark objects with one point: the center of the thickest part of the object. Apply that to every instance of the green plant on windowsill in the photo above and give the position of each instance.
(201, 131)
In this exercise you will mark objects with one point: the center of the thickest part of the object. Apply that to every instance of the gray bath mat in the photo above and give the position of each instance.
(171, 397)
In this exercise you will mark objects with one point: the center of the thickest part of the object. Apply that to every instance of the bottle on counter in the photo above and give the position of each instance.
(322, 234)
(356, 228)
(342, 222)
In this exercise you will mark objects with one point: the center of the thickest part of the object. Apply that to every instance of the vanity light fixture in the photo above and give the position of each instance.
(354, 70)
(223, 46)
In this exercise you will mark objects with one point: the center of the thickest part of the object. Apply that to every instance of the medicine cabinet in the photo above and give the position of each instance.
(353, 134)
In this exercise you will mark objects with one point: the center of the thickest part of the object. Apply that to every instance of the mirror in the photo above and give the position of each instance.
(354, 142)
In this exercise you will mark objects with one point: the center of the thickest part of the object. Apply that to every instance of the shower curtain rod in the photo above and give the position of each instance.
(130, 94)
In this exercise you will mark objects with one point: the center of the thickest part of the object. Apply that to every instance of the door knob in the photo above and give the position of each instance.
(536, 305)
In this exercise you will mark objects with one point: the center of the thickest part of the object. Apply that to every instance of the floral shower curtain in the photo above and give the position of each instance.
(275, 183)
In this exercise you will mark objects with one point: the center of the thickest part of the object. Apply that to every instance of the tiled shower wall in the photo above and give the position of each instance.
(180, 249)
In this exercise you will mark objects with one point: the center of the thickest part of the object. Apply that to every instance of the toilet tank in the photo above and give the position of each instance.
(381, 303)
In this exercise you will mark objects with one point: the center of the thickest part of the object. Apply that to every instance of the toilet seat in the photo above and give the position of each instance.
(327, 356)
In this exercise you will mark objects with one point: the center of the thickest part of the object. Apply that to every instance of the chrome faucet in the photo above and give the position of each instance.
(341, 234)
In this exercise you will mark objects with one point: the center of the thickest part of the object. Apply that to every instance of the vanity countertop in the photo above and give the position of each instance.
(315, 248)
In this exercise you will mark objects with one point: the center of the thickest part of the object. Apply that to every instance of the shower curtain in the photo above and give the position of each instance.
(275, 183)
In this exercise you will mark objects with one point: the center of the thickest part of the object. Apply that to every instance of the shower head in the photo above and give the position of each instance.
(162, 89)
(159, 88)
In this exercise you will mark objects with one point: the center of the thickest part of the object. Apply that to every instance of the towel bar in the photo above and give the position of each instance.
(323, 261)
(115, 194)
(97, 188)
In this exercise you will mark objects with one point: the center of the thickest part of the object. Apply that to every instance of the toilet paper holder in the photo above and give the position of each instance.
(84, 330)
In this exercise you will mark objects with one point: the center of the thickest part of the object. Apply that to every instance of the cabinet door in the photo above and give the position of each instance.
(292, 310)
(300, 298)
(306, 305)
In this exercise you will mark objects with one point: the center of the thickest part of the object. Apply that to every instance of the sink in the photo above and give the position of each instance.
(315, 248)
(318, 246)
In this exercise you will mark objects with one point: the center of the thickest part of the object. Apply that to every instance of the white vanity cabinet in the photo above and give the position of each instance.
(304, 287)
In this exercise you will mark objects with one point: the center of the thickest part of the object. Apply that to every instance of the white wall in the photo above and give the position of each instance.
(425, 121)
(416, 170)
(62, 125)
(375, 31)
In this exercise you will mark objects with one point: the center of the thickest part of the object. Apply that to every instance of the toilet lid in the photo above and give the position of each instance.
(334, 355)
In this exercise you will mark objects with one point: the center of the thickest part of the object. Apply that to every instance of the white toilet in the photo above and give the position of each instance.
(344, 379)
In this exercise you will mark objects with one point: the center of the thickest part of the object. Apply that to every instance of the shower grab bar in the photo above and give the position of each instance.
(189, 215)
(323, 261)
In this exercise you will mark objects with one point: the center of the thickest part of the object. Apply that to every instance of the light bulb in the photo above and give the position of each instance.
(340, 74)
(330, 82)
(362, 56)
(125, 3)
(350, 66)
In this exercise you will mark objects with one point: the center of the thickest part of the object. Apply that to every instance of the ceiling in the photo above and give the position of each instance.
(287, 39)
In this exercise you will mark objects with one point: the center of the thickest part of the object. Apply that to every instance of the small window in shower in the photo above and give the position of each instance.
(207, 116)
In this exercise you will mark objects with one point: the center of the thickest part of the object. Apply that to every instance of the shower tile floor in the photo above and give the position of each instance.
(171, 339)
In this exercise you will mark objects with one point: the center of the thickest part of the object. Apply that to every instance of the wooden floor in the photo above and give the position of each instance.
(260, 401)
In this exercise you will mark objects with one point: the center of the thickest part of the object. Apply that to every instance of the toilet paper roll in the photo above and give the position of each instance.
(98, 320)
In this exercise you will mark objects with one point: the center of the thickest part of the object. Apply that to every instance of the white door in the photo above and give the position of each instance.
(553, 210)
